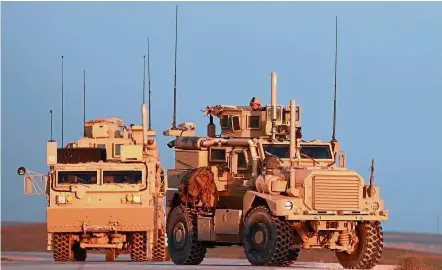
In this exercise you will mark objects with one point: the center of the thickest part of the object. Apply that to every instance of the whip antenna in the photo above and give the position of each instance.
(174, 83)
(336, 63)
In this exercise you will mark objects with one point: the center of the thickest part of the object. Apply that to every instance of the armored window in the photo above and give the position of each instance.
(236, 124)
(279, 150)
(242, 162)
(224, 121)
(101, 145)
(254, 121)
(316, 151)
(77, 177)
(117, 150)
(122, 177)
(217, 155)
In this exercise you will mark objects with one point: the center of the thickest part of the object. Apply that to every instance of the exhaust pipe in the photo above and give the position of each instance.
(292, 190)
(273, 100)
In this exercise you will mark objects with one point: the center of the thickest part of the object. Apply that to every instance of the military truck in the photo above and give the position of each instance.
(104, 191)
(261, 186)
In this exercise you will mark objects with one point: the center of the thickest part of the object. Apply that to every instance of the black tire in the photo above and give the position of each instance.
(139, 246)
(159, 250)
(80, 254)
(368, 250)
(111, 255)
(182, 238)
(267, 240)
(62, 251)
(293, 255)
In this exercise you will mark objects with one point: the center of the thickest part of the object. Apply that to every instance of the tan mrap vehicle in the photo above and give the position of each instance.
(105, 191)
(260, 186)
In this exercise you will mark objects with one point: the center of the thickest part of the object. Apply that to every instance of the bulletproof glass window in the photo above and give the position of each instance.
(254, 121)
(77, 177)
(117, 150)
(316, 151)
(242, 162)
(224, 121)
(279, 150)
(236, 125)
(122, 177)
(217, 155)
(101, 145)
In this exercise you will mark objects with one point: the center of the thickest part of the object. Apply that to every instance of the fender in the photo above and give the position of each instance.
(253, 198)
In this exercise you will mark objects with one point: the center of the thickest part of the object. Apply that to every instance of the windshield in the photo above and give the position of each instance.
(312, 151)
(316, 151)
(122, 177)
(77, 177)
(279, 150)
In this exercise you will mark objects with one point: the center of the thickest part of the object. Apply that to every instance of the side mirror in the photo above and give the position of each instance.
(341, 158)
(21, 171)
(29, 185)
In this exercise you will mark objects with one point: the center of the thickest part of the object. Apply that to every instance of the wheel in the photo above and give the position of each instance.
(79, 253)
(62, 247)
(159, 250)
(111, 254)
(293, 255)
(368, 250)
(267, 240)
(139, 246)
(182, 235)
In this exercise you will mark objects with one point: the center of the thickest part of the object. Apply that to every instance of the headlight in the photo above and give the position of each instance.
(137, 199)
(129, 198)
(288, 205)
(61, 199)
(69, 198)
(375, 206)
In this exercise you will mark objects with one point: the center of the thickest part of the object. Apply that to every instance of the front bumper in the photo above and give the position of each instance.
(119, 219)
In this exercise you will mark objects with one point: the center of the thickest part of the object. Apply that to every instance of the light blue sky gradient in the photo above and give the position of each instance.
(389, 82)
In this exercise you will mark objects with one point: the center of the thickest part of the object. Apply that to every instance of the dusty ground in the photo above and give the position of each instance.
(32, 237)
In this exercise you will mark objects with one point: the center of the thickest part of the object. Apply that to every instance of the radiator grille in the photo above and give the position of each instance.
(333, 193)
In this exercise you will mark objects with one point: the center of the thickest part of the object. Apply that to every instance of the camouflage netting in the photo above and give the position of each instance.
(198, 188)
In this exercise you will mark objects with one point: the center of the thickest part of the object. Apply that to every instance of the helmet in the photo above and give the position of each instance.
(255, 100)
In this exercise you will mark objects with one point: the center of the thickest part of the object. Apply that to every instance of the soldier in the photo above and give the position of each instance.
(255, 104)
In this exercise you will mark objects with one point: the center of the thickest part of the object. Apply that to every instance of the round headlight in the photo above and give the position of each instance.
(137, 199)
(288, 205)
(129, 198)
(61, 199)
(69, 198)
(375, 206)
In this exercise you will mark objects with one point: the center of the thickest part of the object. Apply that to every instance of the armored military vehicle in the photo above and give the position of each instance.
(260, 185)
(104, 191)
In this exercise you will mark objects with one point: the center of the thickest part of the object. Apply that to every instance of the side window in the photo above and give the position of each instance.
(77, 177)
(224, 121)
(242, 162)
(117, 150)
(236, 124)
(101, 145)
(217, 155)
(254, 122)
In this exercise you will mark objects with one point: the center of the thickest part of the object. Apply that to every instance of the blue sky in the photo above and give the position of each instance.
(389, 82)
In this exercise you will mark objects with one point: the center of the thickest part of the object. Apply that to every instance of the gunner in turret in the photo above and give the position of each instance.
(255, 104)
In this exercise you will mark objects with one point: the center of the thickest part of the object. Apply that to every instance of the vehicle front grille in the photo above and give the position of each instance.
(335, 192)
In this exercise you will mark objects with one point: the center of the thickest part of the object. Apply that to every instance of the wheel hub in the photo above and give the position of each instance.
(179, 235)
(259, 235)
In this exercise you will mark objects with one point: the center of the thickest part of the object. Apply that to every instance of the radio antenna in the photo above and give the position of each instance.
(84, 103)
(148, 77)
(50, 111)
(336, 63)
(62, 101)
(144, 75)
(174, 83)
